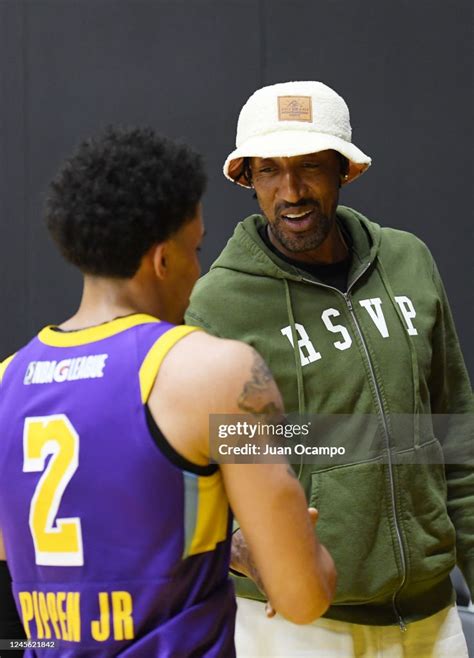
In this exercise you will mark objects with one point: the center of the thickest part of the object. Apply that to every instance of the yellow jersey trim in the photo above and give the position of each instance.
(4, 365)
(211, 513)
(92, 334)
(153, 360)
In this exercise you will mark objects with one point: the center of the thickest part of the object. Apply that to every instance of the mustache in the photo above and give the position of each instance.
(305, 201)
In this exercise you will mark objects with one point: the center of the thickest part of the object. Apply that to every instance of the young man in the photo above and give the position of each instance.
(116, 526)
(354, 322)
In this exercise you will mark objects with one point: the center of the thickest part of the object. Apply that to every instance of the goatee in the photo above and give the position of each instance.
(300, 242)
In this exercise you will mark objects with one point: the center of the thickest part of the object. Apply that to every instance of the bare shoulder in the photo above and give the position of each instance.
(229, 374)
(203, 346)
(203, 375)
(200, 350)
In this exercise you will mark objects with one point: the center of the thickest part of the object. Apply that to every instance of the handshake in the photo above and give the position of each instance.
(243, 562)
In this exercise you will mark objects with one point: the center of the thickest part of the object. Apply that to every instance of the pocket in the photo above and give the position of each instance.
(430, 534)
(354, 526)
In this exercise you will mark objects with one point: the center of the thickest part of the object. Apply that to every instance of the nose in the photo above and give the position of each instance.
(292, 187)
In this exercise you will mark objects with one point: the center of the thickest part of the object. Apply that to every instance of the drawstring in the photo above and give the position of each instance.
(296, 353)
(413, 356)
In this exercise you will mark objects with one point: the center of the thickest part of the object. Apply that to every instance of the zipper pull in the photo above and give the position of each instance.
(348, 300)
(403, 626)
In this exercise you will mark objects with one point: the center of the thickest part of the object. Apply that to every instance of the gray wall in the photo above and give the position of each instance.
(69, 67)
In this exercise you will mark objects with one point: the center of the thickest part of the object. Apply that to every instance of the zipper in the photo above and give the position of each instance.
(348, 301)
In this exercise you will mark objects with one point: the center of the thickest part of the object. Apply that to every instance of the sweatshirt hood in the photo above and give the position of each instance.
(247, 252)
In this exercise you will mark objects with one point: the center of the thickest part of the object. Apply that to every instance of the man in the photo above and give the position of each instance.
(352, 319)
(115, 524)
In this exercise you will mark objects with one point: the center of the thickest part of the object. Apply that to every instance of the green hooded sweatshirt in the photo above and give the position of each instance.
(386, 349)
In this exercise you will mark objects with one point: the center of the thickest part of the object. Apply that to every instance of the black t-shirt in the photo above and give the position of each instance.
(331, 274)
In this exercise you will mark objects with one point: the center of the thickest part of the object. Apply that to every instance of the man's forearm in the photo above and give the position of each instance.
(241, 559)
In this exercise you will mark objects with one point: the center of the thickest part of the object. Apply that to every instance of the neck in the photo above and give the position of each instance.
(333, 250)
(105, 299)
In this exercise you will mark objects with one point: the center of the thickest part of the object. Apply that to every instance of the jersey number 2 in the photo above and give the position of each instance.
(57, 541)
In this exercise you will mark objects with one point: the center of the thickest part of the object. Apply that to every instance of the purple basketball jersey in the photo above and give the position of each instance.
(114, 549)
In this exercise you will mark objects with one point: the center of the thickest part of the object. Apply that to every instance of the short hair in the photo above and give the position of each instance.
(118, 195)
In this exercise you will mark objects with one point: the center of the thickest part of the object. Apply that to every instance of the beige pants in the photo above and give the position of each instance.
(438, 636)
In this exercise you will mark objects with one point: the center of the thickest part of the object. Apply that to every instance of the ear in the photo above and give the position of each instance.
(342, 179)
(160, 259)
(343, 169)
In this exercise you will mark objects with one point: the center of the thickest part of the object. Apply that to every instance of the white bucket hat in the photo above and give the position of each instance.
(294, 118)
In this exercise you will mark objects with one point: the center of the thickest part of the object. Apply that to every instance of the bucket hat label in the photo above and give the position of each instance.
(295, 108)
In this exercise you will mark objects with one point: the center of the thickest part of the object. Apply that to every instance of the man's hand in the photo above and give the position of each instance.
(241, 560)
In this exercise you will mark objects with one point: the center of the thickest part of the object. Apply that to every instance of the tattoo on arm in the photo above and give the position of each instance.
(254, 396)
(241, 560)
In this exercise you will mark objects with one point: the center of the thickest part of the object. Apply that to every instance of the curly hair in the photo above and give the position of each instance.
(119, 194)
